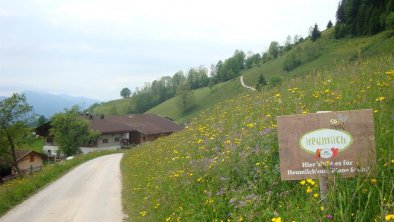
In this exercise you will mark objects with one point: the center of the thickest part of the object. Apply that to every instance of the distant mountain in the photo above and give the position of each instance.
(48, 104)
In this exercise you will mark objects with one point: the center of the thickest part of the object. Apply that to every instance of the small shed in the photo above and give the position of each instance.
(28, 161)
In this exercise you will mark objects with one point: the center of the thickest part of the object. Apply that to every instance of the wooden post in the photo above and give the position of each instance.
(323, 186)
(323, 180)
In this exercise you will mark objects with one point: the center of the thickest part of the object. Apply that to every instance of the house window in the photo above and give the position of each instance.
(105, 140)
(117, 139)
(31, 158)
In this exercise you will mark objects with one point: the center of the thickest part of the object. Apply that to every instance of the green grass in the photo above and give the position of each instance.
(35, 144)
(334, 53)
(202, 99)
(115, 107)
(225, 165)
(15, 191)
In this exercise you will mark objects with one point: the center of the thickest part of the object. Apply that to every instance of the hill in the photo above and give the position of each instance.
(331, 53)
(326, 52)
(225, 167)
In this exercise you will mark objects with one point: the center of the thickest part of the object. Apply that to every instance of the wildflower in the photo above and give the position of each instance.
(375, 110)
(276, 219)
(257, 164)
(309, 189)
(310, 181)
(326, 91)
(329, 217)
(379, 99)
(302, 182)
(199, 179)
(389, 217)
(315, 195)
(322, 208)
(143, 213)
(374, 181)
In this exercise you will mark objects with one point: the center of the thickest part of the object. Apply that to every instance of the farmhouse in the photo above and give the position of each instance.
(117, 131)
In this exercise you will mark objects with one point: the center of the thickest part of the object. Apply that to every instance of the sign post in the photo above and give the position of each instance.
(319, 144)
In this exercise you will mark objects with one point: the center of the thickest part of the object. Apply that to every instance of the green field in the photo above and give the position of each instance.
(225, 165)
(203, 98)
(114, 107)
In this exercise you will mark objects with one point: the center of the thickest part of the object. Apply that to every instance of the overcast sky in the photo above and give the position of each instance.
(94, 48)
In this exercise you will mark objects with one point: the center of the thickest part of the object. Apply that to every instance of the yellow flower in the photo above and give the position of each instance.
(276, 219)
(326, 91)
(143, 213)
(310, 181)
(257, 164)
(316, 195)
(389, 217)
(374, 181)
(321, 208)
(379, 99)
(375, 110)
(309, 189)
(302, 182)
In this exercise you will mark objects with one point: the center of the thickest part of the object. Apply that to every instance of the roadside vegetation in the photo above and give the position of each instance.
(15, 191)
(225, 165)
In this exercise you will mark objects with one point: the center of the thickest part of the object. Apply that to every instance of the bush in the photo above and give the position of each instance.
(275, 80)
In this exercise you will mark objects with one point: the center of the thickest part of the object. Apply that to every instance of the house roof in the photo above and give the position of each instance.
(144, 123)
(20, 154)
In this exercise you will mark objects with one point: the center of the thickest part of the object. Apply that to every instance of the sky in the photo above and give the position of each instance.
(94, 48)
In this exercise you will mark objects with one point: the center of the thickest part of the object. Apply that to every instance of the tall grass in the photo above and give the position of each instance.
(15, 191)
(225, 165)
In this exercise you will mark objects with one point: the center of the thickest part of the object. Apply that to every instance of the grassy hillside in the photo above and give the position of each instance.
(203, 98)
(225, 165)
(114, 107)
(333, 53)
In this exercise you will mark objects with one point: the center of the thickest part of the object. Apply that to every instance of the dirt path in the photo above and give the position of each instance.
(246, 86)
(90, 192)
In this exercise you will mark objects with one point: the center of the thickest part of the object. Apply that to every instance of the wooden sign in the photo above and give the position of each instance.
(333, 142)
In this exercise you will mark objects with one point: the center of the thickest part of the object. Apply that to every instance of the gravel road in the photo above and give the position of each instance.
(90, 192)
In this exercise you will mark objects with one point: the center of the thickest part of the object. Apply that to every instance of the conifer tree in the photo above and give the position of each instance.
(315, 33)
(329, 24)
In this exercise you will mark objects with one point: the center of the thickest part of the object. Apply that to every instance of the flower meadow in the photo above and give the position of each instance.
(224, 166)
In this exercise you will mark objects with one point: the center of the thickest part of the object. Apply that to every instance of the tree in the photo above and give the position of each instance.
(329, 24)
(185, 96)
(273, 50)
(315, 33)
(261, 83)
(15, 116)
(70, 131)
(125, 93)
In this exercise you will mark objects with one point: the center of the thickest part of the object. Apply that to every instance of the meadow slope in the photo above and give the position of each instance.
(225, 165)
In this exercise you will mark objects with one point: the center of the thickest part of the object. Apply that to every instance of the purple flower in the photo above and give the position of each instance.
(329, 217)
